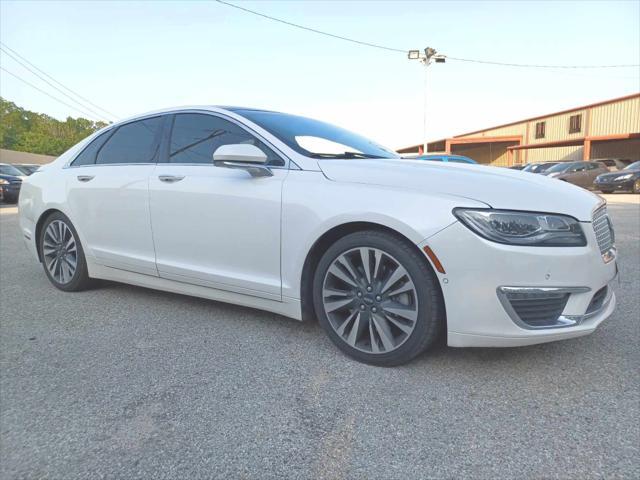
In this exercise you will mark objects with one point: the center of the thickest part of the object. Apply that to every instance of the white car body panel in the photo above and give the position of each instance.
(224, 235)
(113, 209)
(206, 226)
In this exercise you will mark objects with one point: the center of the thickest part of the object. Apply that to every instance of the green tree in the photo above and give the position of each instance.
(33, 132)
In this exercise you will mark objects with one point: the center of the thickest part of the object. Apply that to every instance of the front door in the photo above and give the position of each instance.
(215, 226)
(108, 195)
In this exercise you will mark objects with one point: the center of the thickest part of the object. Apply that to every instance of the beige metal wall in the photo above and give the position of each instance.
(615, 118)
(487, 154)
(519, 129)
(556, 128)
(553, 154)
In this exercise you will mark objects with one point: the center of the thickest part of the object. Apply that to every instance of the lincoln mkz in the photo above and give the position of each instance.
(301, 218)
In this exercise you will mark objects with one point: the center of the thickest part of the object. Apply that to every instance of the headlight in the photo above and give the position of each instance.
(3, 182)
(623, 177)
(523, 228)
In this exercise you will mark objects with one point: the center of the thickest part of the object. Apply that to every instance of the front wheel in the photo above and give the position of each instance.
(636, 186)
(62, 255)
(377, 298)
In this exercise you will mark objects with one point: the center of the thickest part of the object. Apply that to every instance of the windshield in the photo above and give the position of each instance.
(561, 167)
(314, 138)
(10, 170)
(633, 166)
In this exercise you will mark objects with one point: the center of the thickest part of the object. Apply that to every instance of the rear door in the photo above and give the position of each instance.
(214, 226)
(108, 195)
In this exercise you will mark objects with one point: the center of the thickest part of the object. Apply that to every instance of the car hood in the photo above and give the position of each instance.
(611, 176)
(497, 187)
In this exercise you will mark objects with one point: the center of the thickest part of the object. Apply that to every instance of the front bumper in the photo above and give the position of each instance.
(477, 268)
(10, 192)
(614, 186)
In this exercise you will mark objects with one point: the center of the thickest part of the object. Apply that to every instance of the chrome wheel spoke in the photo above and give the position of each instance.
(384, 331)
(400, 310)
(394, 278)
(366, 265)
(331, 305)
(337, 272)
(370, 300)
(355, 330)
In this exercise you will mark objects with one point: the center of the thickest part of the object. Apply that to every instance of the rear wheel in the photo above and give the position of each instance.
(377, 298)
(606, 191)
(62, 255)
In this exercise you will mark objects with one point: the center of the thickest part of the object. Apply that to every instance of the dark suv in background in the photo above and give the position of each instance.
(579, 173)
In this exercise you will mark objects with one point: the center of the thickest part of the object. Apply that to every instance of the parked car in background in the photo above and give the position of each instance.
(539, 167)
(305, 219)
(520, 166)
(446, 158)
(614, 164)
(579, 173)
(8, 169)
(627, 179)
(10, 188)
(26, 168)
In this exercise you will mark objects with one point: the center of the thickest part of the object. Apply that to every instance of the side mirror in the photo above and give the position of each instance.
(243, 156)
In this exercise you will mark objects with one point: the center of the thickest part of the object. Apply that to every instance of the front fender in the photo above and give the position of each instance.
(312, 205)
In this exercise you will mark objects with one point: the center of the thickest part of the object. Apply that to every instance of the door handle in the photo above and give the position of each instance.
(170, 178)
(85, 178)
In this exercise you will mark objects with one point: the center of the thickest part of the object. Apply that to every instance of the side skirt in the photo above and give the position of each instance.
(289, 307)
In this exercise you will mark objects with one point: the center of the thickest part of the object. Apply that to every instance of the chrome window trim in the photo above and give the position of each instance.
(562, 321)
(289, 164)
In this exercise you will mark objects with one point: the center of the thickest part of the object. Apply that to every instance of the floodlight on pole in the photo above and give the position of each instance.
(429, 56)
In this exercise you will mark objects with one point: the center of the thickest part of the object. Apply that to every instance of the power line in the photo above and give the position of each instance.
(6, 47)
(46, 93)
(383, 47)
(525, 65)
(339, 37)
(98, 114)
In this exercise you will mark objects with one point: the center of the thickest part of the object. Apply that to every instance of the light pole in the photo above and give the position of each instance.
(427, 57)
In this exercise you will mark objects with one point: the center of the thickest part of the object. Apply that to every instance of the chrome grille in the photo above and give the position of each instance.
(602, 229)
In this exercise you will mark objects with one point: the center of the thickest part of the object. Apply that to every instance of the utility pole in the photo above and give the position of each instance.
(427, 57)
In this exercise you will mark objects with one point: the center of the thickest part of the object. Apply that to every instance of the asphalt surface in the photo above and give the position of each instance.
(124, 382)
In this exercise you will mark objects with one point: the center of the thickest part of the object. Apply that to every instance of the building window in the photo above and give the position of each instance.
(540, 129)
(575, 123)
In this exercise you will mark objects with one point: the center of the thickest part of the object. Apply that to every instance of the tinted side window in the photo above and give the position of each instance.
(135, 142)
(196, 136)
(88, 155)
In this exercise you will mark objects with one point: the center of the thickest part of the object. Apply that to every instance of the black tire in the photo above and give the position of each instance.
(636, 186)
(607, 191)
(80, 279)
(431, 317)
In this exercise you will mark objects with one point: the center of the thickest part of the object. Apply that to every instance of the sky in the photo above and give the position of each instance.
(133, 57)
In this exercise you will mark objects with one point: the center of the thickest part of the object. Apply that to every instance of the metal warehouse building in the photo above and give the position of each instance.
(609, 129)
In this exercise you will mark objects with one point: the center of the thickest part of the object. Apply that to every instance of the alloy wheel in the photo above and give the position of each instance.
(60, 251)
(370, 300)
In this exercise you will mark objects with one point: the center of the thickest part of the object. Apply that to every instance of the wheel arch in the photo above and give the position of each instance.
(327, 239)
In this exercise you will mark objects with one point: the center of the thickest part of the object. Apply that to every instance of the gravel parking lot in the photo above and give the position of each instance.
(124, 382)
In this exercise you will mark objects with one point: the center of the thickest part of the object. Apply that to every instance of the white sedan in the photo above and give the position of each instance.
(308, 220)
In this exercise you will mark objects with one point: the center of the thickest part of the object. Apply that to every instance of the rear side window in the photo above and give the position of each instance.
(135, 142)
(196, 136)
(88, 155)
